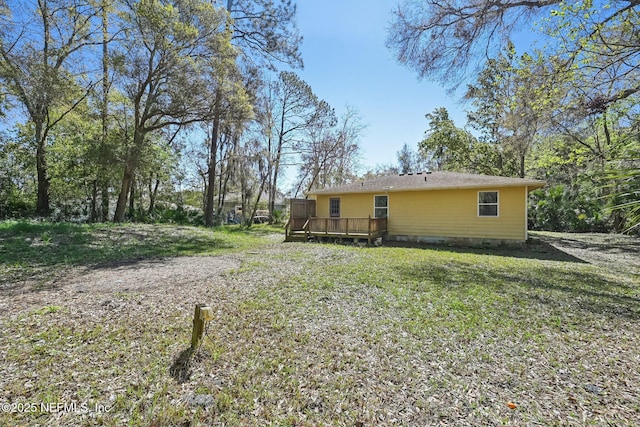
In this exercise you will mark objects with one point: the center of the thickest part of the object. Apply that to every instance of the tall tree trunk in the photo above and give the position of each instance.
(273, 191)
(209, 211)
(153, 192)
(104, 111)
(42, 207)
(223, 171)
(273, 188)
(132, 201)
(269, 179)
(242, 165)
(94, 201)
(243, 195)
(223, 189)
(228, 170)
(204, 192)
(249, 219)
(127, 180)
(104, 201)
(130, 166)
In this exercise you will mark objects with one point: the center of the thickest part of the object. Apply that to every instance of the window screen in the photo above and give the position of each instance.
(334, 207)
(488, 203)
(380, 206)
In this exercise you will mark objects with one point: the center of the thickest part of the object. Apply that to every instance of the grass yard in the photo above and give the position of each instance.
(95, 325)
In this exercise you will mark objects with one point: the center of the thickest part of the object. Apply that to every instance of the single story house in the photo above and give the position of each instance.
(434, 206)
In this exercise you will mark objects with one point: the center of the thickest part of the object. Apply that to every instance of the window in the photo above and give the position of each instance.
(334, 207)
(380, 206)
(487, 203)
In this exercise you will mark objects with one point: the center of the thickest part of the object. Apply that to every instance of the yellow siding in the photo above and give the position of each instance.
(441, 213)
(322, 206)
(351, 205)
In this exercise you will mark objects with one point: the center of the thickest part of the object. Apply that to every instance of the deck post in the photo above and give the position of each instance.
(326, 226)
(198, 328)
(346, 227)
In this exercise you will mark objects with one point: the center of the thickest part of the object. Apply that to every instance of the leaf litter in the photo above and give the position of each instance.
(309, 334)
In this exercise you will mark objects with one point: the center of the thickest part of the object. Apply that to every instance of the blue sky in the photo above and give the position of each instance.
(347, 63)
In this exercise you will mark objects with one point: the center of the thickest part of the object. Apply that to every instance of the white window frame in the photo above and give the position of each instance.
(496, 204)
(374, 205)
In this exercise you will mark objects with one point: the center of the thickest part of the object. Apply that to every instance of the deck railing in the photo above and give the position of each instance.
(347, 226)
(295, 224)
(378, 225)
(368, 228)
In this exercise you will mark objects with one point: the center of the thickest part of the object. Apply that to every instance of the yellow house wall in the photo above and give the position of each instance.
(351, 205)
(441, 213)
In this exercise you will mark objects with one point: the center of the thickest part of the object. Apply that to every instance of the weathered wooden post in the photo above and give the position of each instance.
(201, 314)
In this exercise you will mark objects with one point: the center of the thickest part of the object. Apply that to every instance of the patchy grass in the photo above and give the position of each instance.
(37, 252)
(309, 334)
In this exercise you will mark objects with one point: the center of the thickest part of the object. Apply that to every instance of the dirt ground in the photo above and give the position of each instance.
(612, 251)
(158, 278)
(152, 279)
(131, 292)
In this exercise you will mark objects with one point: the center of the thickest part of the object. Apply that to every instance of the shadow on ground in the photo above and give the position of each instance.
(590, 241)
(533, 249)
(180, 370)
(34, 256)
(590, 291)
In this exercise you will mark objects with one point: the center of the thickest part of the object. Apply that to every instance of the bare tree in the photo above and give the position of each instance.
(329, 154)
(265, 31)
(294, 109)
(441, 39)
(447, 39)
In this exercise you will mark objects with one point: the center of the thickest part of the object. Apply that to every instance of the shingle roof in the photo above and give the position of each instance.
(429, 181)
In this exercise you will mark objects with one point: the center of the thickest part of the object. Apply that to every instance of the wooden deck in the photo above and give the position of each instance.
(339, 228)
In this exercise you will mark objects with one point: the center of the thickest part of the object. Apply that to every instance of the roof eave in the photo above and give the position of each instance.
(531, 185)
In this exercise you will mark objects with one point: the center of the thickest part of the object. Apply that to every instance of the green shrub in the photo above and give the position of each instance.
(14, 204)
(178, 215)
(560, 209)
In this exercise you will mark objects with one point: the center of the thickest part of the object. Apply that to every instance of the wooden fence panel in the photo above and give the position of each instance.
(302, 208)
